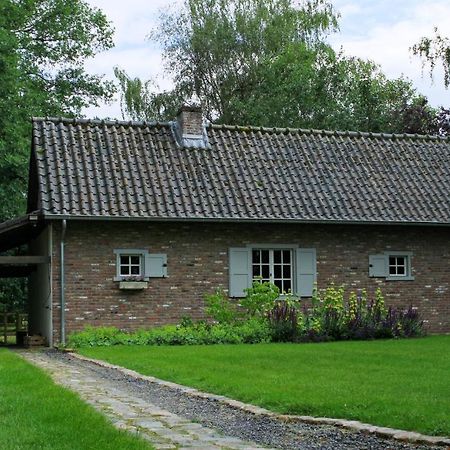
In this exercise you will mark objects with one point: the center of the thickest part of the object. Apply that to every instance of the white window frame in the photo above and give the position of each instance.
(271, 247)
(130, 252)
(408, 266)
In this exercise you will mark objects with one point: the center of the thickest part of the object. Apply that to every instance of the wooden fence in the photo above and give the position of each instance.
(10, 324)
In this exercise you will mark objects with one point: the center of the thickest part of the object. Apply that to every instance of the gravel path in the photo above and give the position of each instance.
(174, 419)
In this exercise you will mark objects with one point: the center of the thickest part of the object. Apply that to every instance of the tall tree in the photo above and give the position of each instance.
(321, 89)
(43, 47)
(267, 63)
(213, 48)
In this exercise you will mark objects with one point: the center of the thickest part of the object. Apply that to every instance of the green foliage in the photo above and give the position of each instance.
(268, 64)
(43, 46)
(433, 51)
(285, 322)
(13, 294)
(220, 307)
(269, 318)
(324, 90)
(333, 317)
(140, 100)
(249, 332)
(213, 48)
(260, 298)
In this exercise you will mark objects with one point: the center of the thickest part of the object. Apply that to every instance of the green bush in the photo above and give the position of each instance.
(220, 307)
(330, 317)
(283, 321)
(260, 298)
(249, 332)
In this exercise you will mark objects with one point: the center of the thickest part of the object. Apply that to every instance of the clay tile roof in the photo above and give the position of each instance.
(114, 169)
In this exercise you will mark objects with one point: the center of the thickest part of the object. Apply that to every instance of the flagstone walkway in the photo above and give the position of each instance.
(162, 428)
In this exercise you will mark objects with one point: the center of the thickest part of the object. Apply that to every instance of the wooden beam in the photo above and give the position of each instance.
(24, 259)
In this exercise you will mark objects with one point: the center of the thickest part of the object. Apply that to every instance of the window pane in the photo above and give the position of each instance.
(277, 256)
(392, 270)
(392, 260)
(124, 270)
(279, 283)
(401, 270)
(400, 261)
(134, 259)
(277, 271)
(256, 256)
(256, 271)
(286, 256)
(266, 272)
(124, 259)
(265, 256)
(286, 271)
(135, 270)
(287, 285)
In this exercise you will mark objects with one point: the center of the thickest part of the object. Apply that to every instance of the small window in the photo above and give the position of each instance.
(397, 266)
(130, 263)
(391, 265)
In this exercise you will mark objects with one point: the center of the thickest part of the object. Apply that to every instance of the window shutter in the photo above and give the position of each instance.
(306, 271)
(377, 266)
(239, 271)
(156, 265)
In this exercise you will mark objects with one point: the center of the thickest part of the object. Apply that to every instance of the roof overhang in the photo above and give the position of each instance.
(20, 231)
(108, 218)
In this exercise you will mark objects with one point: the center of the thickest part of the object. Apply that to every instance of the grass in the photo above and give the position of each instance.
(396, 383)
(37, 414)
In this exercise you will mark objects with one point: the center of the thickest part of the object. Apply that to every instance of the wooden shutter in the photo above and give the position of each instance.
(306, 271)
(156, 265)
(377, 266)
(239, 271)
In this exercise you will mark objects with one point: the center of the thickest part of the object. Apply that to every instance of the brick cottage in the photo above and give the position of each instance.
(130, 224)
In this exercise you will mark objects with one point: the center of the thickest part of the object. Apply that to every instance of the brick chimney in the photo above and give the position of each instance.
(189, 129)
(190, 121)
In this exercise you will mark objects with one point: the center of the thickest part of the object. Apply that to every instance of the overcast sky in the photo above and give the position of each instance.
(381, 30)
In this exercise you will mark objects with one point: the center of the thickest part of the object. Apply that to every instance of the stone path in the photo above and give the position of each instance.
(162, 428)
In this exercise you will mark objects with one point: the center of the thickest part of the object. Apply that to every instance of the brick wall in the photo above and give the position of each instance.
(198, 263)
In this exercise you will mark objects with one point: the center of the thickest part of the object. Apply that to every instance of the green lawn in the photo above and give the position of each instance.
(37, 414)
(397, 383)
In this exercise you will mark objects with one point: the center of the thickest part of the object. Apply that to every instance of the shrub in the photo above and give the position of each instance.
(99, 336)
(260, 298)
(220, 307)
(249, 332)
(331, 317)
(283, 322)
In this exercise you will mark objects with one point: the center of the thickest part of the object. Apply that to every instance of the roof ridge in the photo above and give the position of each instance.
(109, 122)
(248, 128)
(347, 133)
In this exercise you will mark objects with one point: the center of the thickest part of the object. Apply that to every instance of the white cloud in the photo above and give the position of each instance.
(389, 42)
